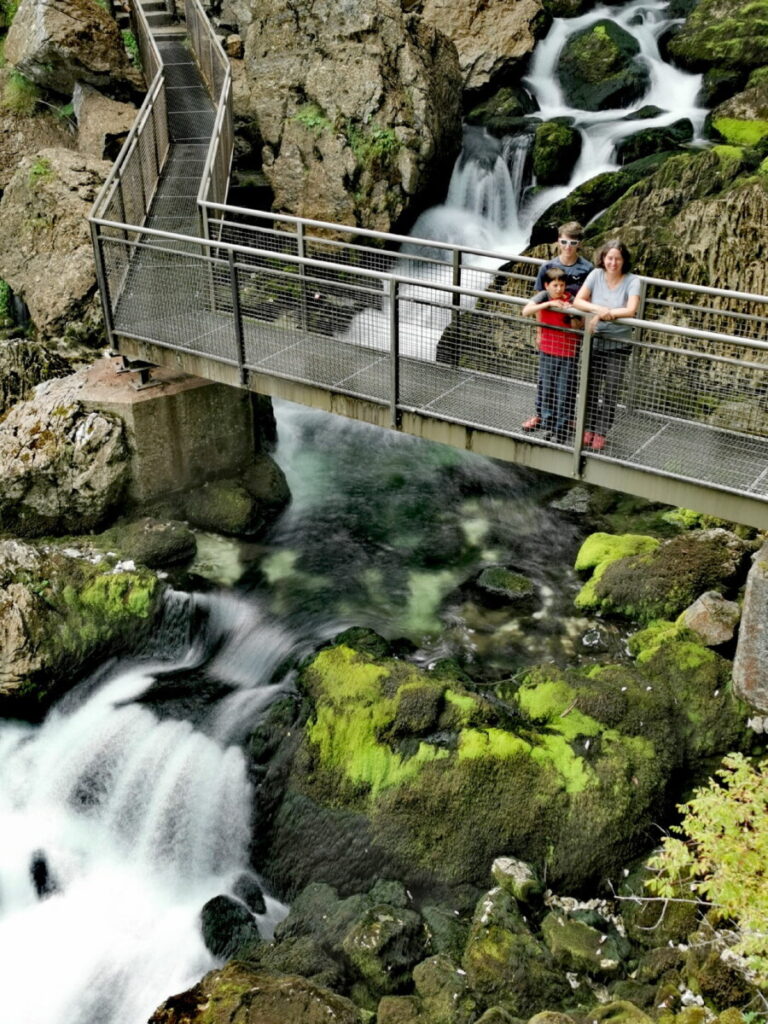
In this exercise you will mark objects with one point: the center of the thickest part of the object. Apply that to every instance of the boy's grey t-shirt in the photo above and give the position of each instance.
(613, 298)
(575, 274)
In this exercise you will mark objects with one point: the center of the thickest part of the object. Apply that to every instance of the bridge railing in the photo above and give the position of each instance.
(690, 404)
(217, 76)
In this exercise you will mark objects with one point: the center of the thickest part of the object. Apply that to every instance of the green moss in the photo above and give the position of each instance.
(6, 317)
(120, 594)
(643, 644)
(351, 713)
(20, 95)
(371, 144)
(313, 117)
(601, 548)
(495, 743)
(740, 132)
(131, 46)
(464, 704)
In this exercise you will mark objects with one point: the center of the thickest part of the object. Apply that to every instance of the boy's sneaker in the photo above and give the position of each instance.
(588, 438)
(598, 442)
(531, 424)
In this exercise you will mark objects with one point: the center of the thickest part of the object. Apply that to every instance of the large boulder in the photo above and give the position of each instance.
(60, 612)
(28, 125)
(57, 43)
(102, 123)
(358, 107)
(649, 141)
(46, 252)
(556, 148)
(237, 992)
(64, 467)
(598, 68)
(743, 119)
(567, 770)
(492, 38)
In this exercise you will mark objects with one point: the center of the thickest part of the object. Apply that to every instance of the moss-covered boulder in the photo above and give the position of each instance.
(658, 581)
(148, 541)
(556, 148)
(577, 946)
(238, 992)
(503, 113)
(564, 770)
(650, 922)
(649, 141)
(729, 34)
(598, 68)
(60, 613)
(742, 120)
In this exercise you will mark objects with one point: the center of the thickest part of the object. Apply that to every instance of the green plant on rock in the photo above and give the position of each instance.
(312, 116)
(720, 850)
(8, 10)
(20, 95)
(40, 170)
(371, 144)
(6, 314)
(131, 47)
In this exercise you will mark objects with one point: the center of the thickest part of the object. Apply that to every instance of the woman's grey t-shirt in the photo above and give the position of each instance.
(610, 331)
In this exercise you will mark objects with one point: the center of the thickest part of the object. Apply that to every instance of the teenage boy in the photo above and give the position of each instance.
(558, 347)
(575, 268)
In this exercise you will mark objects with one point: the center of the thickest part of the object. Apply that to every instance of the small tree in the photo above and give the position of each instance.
(722, 858)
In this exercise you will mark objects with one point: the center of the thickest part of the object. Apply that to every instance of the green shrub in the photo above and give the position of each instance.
(8, 9)
(131, 47)
(722, 856)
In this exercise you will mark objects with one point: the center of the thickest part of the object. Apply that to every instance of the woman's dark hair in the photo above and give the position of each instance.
(614, 243)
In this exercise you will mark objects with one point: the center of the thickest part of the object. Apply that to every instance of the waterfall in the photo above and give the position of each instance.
(118, 824)
(487, 188)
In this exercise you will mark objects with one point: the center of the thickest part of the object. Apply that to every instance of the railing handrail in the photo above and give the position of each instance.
(400, 279)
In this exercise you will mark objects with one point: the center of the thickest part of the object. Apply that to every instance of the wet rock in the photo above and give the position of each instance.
(59, 612)
(654, 140)
(712, 618)
(237, 992)
(722, 34)
(227, 926)
(556, 148)
(151, 542)
(64, 468)
(384, 945)
(742, 120)
(750, 666)
(597, 68)
(579, 947)
(247, 889)
(499, 585)
(652, 923)
(504, 110)
(719, 84)
(660, 581)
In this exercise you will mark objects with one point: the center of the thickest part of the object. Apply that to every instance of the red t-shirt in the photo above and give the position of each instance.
(554, 337)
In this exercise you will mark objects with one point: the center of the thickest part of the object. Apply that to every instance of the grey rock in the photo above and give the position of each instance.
(712, 618)
(750, 666)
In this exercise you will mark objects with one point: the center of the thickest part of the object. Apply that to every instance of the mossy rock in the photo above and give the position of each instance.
(598, 68)
(593, 196)
(443, 991)
(383, 946)
(649, 141)
(661, 581)
(719, 84)
(238, 992)
(556, 148)
(224, 506)
(650, 922)
(620, 1012)
(499, 586)
(722, 984)
(728, 34)
(504, 111)
(577, 946)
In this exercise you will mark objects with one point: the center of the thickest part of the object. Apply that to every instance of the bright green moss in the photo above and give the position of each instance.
(740, 132)
(352, 711)
(554, 702)
(601, 548)
(121, 594)
(644, 644)
(475, 743)
(464, 704)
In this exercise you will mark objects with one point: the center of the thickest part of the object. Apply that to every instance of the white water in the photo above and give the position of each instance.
(486, 207)
(140, 820)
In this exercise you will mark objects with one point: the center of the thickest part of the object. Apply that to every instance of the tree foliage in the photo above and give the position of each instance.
(722, 857)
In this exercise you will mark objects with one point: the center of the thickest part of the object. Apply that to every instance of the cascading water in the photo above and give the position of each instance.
(479, 205)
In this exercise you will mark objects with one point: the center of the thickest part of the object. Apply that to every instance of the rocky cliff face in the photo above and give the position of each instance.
(356, 106)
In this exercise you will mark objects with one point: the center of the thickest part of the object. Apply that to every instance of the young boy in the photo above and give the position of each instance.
(575, 268)
(558, 347)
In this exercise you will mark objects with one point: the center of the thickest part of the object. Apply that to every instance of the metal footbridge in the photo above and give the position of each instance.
(420, 336)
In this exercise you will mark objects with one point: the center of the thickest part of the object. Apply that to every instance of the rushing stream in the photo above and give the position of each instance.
(130, 806)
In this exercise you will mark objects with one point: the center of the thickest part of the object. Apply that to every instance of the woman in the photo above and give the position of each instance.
(611, 292)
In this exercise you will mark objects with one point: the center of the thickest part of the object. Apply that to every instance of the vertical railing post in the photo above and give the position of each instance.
(582, 397)
(102, 280)
(301, 253)
(394, 350)
(634, 359)
(237, 318)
